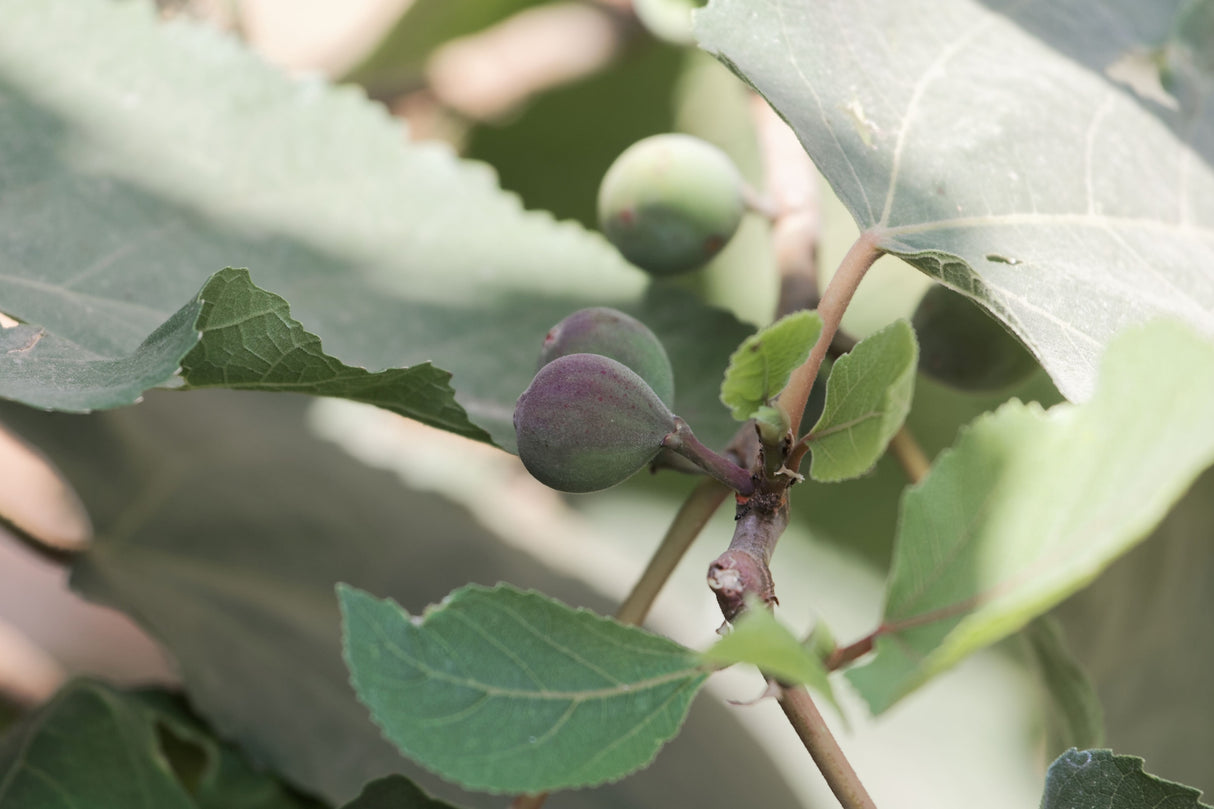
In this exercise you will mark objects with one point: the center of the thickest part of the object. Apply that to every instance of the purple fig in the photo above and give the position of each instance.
(588, 422)
(613, 334)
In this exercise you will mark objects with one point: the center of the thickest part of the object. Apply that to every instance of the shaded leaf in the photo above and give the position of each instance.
(1073, 712)
(89, 746)
(1098, 779)
(509, 691)
(990, 145)
(250, 342)
(761, 366)
(394, 792)
(1029, 506)
(868, 395)
(141, 158)
(760, 640)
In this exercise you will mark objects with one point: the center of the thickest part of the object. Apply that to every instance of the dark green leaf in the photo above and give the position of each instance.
(1097, 779)
(394, 792)
(509, 691)
(761, 366)
(993, 146)
(141, 158)
(89, 746)
(1030, 506)
(868, 395)
(1073, 713)
(250, 342)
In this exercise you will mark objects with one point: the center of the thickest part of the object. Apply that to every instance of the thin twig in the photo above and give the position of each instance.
(697, 509)
(806, 720)
(910, 455)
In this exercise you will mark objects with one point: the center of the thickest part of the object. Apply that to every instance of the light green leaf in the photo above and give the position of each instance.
(868, 395)
(1029, 506)
(509, 691)
(394, 792)
(1098, 779)
(89, 746)
(761, 366)
(250, 342)
(141, 157)
(1073, 714)
(1003, 149)
(760, 640)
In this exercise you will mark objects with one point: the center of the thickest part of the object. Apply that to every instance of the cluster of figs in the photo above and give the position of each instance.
(599, 407)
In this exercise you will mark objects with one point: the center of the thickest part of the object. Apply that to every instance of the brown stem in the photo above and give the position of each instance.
(845, 654)
(831, 308)
(529, 801)
(742, 572)
(684, 442)
(697, 509)
(910, 455)
(825, 751)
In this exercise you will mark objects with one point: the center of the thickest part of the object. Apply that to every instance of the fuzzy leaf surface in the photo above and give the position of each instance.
(762, 641)
(868, 395)
(761, 366)
(1030, 505)
(89, 746)
(1098, 779)
(1026, 154)
(509, 691)
(142, 157)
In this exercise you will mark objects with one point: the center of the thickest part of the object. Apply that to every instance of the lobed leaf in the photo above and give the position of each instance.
(509, 691)
(1029, 506)
(1098, 779)
(759, 639)
(1027, 154)
(762, 365)
(868, 395)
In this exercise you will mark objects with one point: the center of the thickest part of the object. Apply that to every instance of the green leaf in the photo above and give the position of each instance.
(868, 395)
(89, 746)
(394, 792)
(1029, 506)
(998, 148)
(143, 157)
(509, 691)
(1098, 779)
(1073, 711)
(250, 342)
(759, 639)
(761, 366)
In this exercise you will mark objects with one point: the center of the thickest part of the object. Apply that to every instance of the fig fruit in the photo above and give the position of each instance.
(962, 346)
(588, 422)
(613, 334)
(670, 202)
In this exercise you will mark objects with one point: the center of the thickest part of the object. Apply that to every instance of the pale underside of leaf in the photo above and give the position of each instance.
(987, 144)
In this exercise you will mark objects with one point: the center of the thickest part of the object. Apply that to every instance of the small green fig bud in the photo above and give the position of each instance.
(613, 334)
(587, 422)
(670, 202)
(962, 346)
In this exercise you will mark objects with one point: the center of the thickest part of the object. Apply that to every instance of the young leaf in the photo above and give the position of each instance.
(761, 366)
(1004, 154)
(868, 396)
(759, 639)
(1074, 716)
(172, 153)
(89, 746)
(1098, 779)
(508, 691)
(251, 342)
(1029, 506)
(394, 792)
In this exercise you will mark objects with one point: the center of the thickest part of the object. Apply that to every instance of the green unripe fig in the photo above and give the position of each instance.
(670, 202)
(587, 422)
(964, 347)
(611, 333)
